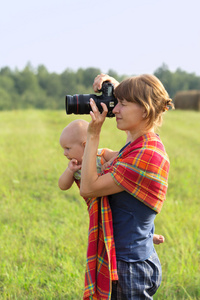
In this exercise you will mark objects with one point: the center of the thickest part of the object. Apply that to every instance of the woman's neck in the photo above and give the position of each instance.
(132, 136)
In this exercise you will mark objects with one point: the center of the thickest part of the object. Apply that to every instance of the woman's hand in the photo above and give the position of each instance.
(97, 85)
(98, 118)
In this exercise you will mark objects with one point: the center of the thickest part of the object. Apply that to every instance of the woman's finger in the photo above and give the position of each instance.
(93, 106)
(105, 109)
(97, 85)
(104, 106)
(92, 115)
(95, 111)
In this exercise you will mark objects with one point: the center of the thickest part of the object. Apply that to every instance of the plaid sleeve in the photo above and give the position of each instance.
(144, 175)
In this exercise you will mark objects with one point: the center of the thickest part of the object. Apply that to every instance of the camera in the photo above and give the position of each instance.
(80, 104)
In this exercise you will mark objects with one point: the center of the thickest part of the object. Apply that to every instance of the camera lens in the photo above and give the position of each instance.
(78, 104)
(70, 104)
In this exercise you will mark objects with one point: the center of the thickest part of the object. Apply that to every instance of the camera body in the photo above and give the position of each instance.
(80, 104)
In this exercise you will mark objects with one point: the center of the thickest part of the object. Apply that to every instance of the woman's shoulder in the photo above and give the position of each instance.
(147, 142)
(144, 148)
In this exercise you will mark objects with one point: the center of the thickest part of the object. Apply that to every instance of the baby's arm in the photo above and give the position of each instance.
(108, 156)
(67, 178)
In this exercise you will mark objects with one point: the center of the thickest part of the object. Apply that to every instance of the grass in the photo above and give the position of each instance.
(43, 231)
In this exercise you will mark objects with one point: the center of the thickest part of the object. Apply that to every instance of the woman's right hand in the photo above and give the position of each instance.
(98, 118)
(97, 85)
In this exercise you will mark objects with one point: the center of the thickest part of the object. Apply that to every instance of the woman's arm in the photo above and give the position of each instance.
(93, 185)
(101, 186)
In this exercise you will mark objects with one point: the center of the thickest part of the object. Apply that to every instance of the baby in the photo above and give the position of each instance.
(72, 140)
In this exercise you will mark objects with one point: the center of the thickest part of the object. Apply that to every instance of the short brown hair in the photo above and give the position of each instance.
(148, 91)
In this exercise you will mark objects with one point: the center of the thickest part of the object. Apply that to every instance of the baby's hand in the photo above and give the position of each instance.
(108, 163)
(74, 165)
(105, 165)
(158, 239)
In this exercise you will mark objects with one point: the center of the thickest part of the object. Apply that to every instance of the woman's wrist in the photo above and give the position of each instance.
(93, 136)
(92, 145)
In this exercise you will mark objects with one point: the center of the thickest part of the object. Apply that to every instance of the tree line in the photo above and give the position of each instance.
(37, 88)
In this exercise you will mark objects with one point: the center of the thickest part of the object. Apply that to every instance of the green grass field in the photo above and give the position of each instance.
(43, 231)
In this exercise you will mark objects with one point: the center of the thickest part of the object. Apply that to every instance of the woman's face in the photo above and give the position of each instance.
(129, 115)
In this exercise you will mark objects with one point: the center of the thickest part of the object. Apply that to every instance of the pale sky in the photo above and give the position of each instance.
(128, 36)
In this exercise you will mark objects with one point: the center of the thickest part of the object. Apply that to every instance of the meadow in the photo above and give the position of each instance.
(43, 230)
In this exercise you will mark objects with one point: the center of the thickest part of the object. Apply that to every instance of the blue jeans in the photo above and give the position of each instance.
(137, 280)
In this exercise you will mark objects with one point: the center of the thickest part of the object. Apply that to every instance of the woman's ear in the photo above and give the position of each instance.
(146, 111)
(144, 115)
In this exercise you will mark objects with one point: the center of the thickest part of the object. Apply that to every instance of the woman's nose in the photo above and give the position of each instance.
(115, 109)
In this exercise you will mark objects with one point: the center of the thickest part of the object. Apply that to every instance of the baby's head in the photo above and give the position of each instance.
(73, 139)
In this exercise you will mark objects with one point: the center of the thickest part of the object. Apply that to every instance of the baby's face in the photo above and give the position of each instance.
(72, 149)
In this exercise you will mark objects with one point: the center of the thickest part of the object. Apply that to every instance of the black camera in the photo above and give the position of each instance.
(80, 104)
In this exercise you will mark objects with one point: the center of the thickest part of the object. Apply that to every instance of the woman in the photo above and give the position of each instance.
(136, 185)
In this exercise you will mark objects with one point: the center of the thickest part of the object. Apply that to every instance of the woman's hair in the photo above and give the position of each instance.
(149, 92)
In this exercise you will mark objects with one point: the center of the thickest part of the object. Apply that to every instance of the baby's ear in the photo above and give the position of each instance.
(84, 143)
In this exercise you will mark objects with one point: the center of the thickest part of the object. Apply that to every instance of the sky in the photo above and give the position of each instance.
(128, 36)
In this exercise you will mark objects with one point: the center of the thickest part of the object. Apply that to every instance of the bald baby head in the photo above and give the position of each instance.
(76, 131)
(73, 139)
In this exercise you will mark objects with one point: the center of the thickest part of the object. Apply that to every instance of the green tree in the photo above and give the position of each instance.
(69, 82)
(177, 81)
(7, 83)
(5, 100)
(5, 71)
(88, 76)
(114, 74)
(26, 80)
(42, 76)
(37, 88)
